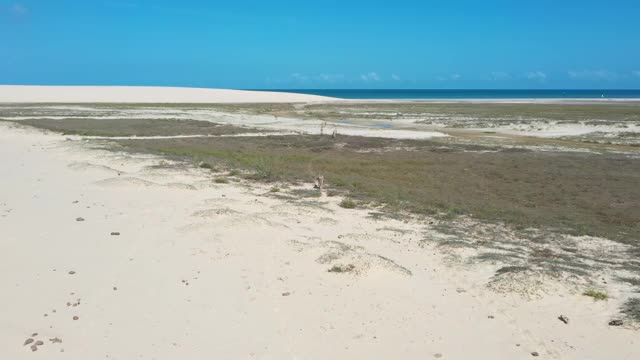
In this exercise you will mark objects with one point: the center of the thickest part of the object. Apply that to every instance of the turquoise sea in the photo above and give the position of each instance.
(470, 94)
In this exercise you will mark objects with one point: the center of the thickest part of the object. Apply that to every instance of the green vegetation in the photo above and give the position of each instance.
(274, 189)
(597, 295)
(221, 181)
(577, 193)
(204, 165)
(306, 193)
(347, 203)
(631, 309)
(135, 127)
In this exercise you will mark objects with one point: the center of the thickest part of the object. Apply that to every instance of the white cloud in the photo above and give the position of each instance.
(330, 77)
(299, 77)
(597, 75)
(395, 77)
(372, 76)
(636, 73)
(324, 77)
(500, 76)
(537, 75)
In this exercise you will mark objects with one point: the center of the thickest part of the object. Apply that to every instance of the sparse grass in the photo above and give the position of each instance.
(347, 203)
(578, 193)
(567, 192)
(207, 166)
(306, 193)
(274, 189)
(342, 268)
(234, 172)
(221, 180)
(451, 213)
(512, 269)
(135, 127)
(631, 309)
(596, 295)
(630, 280)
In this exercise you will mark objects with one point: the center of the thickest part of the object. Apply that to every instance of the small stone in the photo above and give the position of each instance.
(27, 342)
(115, 288)
(616, 323)
(79, 219)
(437, 355)
(39, 342)
(535, 353)
(34, 348)
(75, 318)
(115, 233)
(72, 272)
(564, 319)
(286, 293)
(56, 340)
(491, 317)
(460, 290)
(34, 334)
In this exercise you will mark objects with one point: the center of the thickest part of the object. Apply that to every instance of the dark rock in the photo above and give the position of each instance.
(491, 317)
(535, 353)
(616, 323)
(115, 233)
(76, 318)
(39, 342)
(27, 342)
(72, 272)
(79, 219)
(34, 348)
(56, 340)
(286, 293)
(564, 319)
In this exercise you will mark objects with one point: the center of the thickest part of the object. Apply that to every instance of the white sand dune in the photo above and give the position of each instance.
(144, 94)
(227, 272)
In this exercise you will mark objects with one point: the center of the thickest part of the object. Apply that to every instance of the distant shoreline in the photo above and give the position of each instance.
(476, 95)
(32, 94)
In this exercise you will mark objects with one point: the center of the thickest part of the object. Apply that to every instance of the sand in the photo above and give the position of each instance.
(143, 94)
(168, 264)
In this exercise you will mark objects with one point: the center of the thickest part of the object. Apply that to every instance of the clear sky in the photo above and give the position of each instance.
(322, 44)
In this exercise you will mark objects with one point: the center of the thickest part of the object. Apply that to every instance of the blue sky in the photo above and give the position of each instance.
(322, 44)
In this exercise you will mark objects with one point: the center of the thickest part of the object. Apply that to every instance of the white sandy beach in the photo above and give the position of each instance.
(203, 270)
(143, 94)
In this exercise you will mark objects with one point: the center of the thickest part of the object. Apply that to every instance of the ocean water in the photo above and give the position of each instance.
(470, 94)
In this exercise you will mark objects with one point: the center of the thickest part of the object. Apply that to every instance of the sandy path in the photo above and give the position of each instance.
(204, 270)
